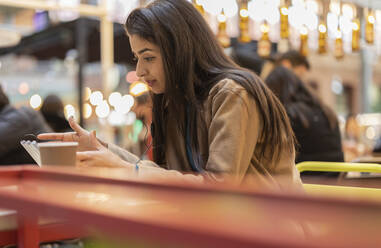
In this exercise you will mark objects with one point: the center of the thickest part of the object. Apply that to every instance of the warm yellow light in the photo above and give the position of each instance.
(339, 34)
(304, 31)
(35, 101)
(322, 28)
(221, 18)
(265, 28)
(138, 88)
(87, 110)
(87, 93)
(284, 11)
(355, 26)
(244, 13)
(371, 19)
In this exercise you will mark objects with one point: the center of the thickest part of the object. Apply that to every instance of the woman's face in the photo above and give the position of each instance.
(149, 63)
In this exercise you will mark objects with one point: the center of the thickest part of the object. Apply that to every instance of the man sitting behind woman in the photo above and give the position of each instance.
(315, 125)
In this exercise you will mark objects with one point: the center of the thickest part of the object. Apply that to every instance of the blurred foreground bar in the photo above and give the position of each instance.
(121, 207)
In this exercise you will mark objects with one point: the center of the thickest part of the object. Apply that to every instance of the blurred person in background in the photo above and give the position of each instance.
(292, 60)
(14, 125)
(212, 120)
(53, 111)
(296, 62)
(315, 125)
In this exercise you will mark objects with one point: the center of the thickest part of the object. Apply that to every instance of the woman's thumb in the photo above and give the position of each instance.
(94, 141)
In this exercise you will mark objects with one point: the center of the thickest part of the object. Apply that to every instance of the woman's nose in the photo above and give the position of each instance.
(140, 71)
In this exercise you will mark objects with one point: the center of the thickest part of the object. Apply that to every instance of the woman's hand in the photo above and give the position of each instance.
(101, 157)
(79, 135)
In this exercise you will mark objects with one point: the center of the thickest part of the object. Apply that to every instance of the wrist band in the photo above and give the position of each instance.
(137, 165)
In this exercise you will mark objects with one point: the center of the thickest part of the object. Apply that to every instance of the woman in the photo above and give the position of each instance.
(315, 125)
(210, 117)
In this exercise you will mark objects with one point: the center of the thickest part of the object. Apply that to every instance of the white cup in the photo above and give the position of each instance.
(58, 153)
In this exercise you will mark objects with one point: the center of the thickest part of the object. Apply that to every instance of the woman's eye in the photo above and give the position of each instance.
(135, 59)
(149, 59)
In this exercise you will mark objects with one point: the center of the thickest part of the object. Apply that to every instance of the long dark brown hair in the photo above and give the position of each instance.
(296, 97)
(193, 63)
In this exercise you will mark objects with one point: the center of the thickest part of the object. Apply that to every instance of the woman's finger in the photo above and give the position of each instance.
(76, 127)
(55, 136)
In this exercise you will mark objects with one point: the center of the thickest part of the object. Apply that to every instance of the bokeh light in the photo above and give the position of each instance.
(35, 101)
(348, 11)
(215, 7)
(131, 77)
(116, 118)
(103, 109)
(300, 16)
(23, 88)
(87, 110)
(322, 28)
(264, 10)
(86, 93)
(114, 98)
(96, 98)
(371, 19)
(138, 88)
(221, 17)
(370, 133)
(125, 104)
(130, 118)
(69, 111)
(355, 26)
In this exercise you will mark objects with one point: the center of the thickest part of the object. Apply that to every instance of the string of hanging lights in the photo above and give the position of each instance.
(307, 25)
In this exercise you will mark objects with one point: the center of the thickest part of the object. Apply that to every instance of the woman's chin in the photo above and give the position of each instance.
(156, 91)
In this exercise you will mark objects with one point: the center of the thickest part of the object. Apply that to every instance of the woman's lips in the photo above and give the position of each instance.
(151, 82)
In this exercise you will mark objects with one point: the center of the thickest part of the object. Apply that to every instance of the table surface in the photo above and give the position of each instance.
(118, 205)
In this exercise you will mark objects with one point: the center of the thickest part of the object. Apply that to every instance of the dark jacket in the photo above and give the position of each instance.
(377, 146)
(14, 124)
(318, 142)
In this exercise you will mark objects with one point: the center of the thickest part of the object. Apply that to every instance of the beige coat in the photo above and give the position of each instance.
(229, 143)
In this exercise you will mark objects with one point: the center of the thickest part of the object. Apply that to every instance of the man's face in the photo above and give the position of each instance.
(301, 71)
